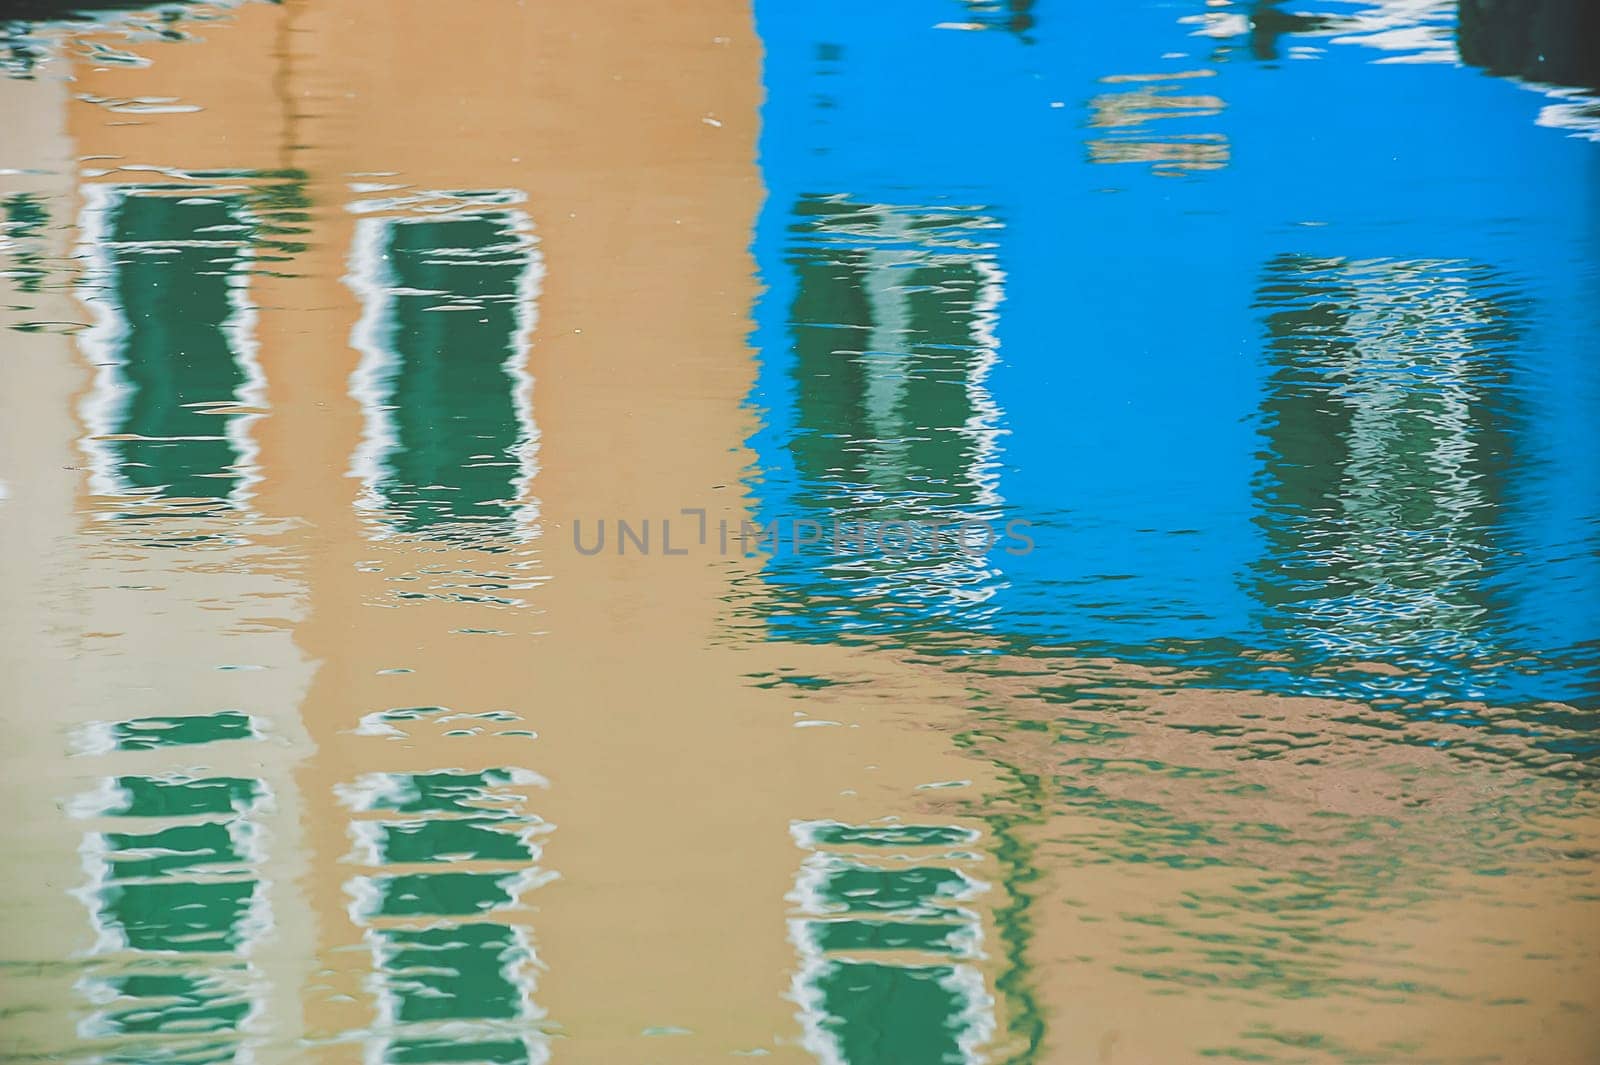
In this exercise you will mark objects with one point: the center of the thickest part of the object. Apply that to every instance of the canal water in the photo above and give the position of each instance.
(909, 533)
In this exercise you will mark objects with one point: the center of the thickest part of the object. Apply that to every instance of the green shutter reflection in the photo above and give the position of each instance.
(449, 990)
(1390, 432)
(170, 1003)
(891, 342)
(171, 263)
(180, 796)
(443, 338)
(443, 894)
(179, 916)
(172, 889)
(884, 414)
(918, 891)
(832, 833)
(453, 973)
(444, 791)
(23, 221)
(889, 935)
(885, 943)
(170, 850)
(892, 1014)
(450, 840)
(148, 733)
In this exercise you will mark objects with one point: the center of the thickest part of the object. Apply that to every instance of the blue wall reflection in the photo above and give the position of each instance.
(1282, 340)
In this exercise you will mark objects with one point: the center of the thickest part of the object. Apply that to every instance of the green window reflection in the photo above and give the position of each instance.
(869, 1013)
(176, 849)
(885, 945)
(174, 796)
(882, 413)
(935, 938)
(448, 312)
(185, 917)
(442, 894)
(171, 342)
(843, 886)
(171, 928)
(832, 833)
(175, 899)
(447, 840)
(23, 221)
(454, 972)
(892, 331)
(1389, 433)
(485, 792)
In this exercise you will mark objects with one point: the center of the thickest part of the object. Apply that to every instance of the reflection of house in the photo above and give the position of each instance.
(419, 941)
(448, 307)
(1388, 431)
(886, 945)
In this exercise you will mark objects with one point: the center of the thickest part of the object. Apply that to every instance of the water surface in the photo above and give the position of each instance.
(333, 338)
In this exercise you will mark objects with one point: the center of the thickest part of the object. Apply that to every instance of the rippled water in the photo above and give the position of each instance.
(460, 475)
